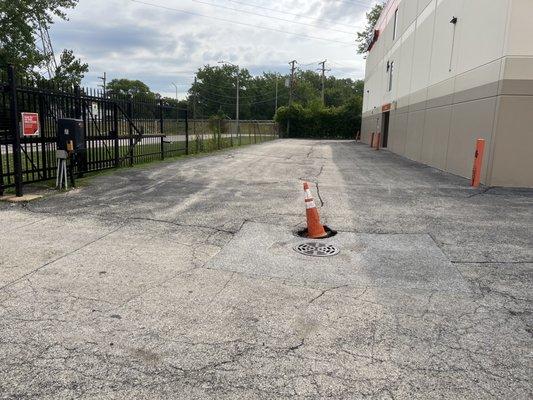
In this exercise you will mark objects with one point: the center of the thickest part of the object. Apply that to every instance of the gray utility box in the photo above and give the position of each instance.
(70, 129)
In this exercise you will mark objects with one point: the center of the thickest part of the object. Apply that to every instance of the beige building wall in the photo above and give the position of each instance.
(450, 88)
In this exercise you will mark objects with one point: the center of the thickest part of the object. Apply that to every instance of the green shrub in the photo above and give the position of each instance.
(316, 121)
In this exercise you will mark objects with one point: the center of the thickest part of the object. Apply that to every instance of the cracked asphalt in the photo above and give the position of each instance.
(178, 280)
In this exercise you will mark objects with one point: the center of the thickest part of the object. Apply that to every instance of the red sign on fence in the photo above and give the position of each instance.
(30, 124)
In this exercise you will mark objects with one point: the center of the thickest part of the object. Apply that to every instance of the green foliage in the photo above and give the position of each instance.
(317, 121)
(127, 87)
(19, 22)
(215, 89)
(70, 70)
(371, 19)
(218, 123)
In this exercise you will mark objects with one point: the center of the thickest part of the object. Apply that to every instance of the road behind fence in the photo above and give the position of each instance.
(119, 130)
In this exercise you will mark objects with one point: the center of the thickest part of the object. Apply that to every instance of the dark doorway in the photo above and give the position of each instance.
(385, 129)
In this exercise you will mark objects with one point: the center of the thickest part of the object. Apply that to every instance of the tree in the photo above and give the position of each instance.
(70, 70)
(365, 35)
(20, 21)
(261, 92)
(215, 90)
(126, 87)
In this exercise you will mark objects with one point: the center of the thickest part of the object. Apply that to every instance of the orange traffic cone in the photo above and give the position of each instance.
(315, 229)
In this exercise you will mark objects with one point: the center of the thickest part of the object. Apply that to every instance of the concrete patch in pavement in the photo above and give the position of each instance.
(408, 261)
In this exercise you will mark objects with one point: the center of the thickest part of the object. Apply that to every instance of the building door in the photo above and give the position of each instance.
(385, 129)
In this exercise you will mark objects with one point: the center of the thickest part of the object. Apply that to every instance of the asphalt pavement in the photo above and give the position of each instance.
(179, 280)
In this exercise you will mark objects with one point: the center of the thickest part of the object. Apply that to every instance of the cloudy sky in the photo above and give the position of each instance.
(165, 41)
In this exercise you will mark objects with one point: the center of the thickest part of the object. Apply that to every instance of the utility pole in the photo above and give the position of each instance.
(103, 85)
(323, 70)
(291, 85)
(291, 82)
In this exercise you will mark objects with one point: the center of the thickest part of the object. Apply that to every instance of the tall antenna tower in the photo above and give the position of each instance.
(47, 49)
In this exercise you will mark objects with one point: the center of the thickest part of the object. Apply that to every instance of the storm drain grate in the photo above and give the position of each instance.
(316, 249)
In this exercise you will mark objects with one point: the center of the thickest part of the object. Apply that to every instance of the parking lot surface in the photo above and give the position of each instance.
(178, 280)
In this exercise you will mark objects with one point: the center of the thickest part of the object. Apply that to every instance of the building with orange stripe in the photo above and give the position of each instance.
(442, 73)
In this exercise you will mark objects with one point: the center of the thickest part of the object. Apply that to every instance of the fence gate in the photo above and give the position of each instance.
(120, 130)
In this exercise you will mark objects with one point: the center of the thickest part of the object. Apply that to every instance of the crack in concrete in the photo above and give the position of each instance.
(323, 292)
(314, 180)
(222, 288)
(297, 346)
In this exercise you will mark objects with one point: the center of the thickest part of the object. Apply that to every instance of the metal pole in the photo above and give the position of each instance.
(177, 111)
(237, 110)
(17, 156)
(129, 113)
(194, 118)
(161, 122)
(115, 129)
(187, 131)
(42, 138)
(77, 102)
(276, 104)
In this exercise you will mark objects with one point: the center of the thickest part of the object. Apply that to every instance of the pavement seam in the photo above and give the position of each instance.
(28, 224)
(491, 262)
(185, 225)
(284, 282)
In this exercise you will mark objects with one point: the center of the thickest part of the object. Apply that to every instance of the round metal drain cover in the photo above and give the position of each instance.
(316, 249)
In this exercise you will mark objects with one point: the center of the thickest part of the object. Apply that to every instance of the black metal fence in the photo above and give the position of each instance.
(119, 130)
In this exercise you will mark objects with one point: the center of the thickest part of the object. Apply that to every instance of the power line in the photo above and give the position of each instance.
(242, 23)
(270, 92)
(328, 21)
(233, 103)
(271, 17)
(311, 63)
(359, 3)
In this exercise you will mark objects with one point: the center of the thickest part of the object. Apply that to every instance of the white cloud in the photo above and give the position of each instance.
(161, 45)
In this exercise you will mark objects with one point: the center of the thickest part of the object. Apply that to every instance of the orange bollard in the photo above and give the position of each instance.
(372, 141)
(378, 138)
(315, 229)
(478, 162)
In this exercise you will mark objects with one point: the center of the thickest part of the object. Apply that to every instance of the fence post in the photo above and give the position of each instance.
(186, 131)
(15, 129)
(161, 116)
(161, 126)
(219, 134)
(42, 124)
(115, 129)
(129, 112)
(77, 102)
(81, 112)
